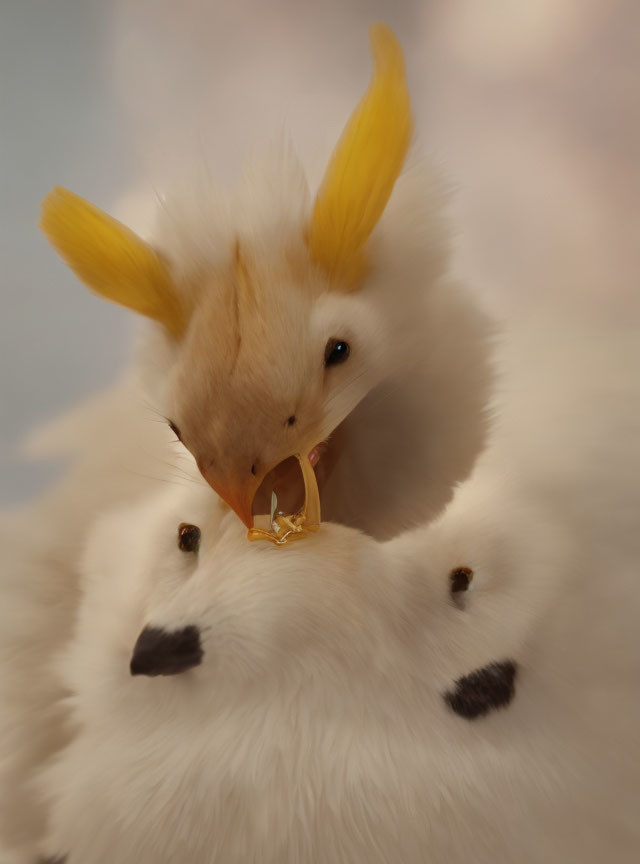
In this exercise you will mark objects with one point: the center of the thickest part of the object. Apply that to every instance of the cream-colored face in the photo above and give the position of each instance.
(250, 384)
(254, 380)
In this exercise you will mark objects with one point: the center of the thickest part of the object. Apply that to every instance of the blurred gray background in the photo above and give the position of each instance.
(532, 109)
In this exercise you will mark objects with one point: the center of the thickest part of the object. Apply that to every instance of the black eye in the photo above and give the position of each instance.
(174, 429)
(291, 420)
(188, 537)
(337, 351)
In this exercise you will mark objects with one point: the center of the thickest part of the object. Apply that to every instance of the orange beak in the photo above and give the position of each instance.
(237, 492)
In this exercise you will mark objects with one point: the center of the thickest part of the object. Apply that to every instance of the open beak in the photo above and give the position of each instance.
(237, 492)
(241, 489)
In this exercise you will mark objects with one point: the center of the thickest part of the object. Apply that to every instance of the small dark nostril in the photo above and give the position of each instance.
(253, 470)
(291, 420)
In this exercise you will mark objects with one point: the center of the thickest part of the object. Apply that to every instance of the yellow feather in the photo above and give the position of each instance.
(110, 259)
(364, 166)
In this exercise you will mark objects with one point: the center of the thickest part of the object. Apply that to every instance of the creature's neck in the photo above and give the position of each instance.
(400, 453)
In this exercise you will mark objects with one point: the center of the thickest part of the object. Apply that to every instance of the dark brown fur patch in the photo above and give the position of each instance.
(163, 652)
(484, 690)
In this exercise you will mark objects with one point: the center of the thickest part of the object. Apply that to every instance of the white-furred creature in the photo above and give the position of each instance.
(465, 692)
(172, 765)
(250, 298)
(328, 328)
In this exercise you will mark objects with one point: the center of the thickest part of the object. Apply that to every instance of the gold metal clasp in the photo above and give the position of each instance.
(281, 528)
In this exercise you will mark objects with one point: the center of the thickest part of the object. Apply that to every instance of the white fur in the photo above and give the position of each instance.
(423, 365)
(116, 451)
(415, 420)
(315, 729)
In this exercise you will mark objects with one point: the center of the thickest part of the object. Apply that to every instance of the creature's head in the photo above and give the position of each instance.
(274, 345)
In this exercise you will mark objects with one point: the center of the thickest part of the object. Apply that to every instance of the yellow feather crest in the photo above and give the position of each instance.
(110, 259)
(364, 166)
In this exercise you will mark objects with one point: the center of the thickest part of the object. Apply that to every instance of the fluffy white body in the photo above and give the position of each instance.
(420, 361)
(315, 728)
(115, 455)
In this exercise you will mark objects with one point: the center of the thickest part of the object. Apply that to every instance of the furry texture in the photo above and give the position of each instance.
(316, 727)
(418, 353)
(110, 259)
(395, 389)
(364, 166)
(114, 454)
(262, 275)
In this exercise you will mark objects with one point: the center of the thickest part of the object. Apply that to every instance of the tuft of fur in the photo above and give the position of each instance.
(316, 726)
(110, 259)
(364, 166)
